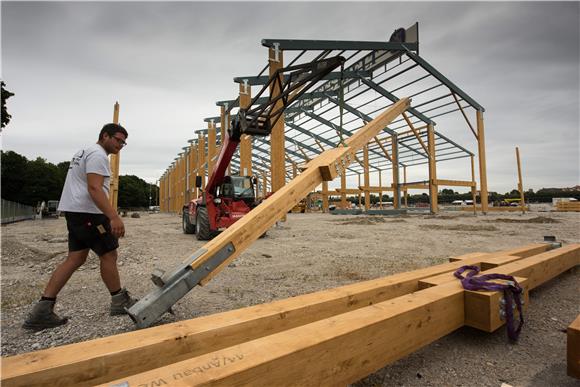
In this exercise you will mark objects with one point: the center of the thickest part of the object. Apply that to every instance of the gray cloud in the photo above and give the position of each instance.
(167, 64)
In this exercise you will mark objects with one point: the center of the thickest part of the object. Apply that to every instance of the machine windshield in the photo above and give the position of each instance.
(243, 187)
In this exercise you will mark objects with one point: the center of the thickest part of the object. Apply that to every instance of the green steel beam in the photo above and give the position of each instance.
(262, 80)
(287, 45)
(433, 71)
(394, 99)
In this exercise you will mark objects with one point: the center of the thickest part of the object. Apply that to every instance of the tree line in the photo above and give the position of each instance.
(31, 182)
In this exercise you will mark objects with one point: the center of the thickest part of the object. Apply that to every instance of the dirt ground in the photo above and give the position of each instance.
(307, 253)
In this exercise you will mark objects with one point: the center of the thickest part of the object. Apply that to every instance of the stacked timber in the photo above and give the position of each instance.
(335, 336)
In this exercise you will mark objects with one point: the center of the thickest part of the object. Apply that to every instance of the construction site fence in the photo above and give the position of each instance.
(14, 212)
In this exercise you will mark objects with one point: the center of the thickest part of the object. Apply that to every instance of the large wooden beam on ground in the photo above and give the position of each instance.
(573, 348)
(107, 358)
(346, 347)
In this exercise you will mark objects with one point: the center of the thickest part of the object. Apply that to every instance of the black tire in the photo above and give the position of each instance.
(203, 233)
(186, 225)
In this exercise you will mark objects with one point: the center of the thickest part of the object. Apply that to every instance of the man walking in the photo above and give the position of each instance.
(92, 223)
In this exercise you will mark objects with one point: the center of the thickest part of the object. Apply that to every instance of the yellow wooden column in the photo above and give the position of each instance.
(325, 196)
(211, 146)
(114, 162)
(343, 188)
(224, 121)
(482, 163)
(264, 184)
(405, 195)
(277, 142)
(433, 188)
(201, 159)
(395, 164)
(520, 182)
(367, 177)
(473, 187)
(245, 142)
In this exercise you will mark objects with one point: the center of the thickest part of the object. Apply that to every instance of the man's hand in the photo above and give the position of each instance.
(117, 227)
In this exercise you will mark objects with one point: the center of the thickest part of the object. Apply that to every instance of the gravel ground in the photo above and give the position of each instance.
(307, 253)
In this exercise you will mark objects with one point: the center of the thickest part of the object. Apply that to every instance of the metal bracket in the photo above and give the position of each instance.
(172, 287)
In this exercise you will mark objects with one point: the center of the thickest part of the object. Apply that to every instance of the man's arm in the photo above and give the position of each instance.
(95, 187)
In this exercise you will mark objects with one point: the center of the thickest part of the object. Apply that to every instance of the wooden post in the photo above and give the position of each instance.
(367, 177)
(482, 163)
(325, 196)
(264, 184)
(520, 182)
(245, 141)
(380, 191)
(343, 188)
(277, 140)
(473, 188)
(395, 163)
(114, 162)
(211, 146)
(405, 187)
(433, 188)
(224, 122)
(201, 160)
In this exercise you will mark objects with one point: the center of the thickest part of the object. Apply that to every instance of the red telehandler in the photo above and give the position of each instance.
(226, 199)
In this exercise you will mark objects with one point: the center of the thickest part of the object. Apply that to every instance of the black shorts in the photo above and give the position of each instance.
(90, 231)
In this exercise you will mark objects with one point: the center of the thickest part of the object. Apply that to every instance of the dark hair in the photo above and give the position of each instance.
(111, 129)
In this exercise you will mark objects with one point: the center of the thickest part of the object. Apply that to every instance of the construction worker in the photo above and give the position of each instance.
(92, 223)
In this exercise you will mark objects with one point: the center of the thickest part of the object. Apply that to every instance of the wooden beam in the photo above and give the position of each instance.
(573, 348)
(246, 141)
(343, 348)
(482, 163)
(367, 177)
(374, 188)
(473, 187)
(520, 182)
(104, 359)
(348, 191)
(454, 183)
(335, 351)
(379, 143)
(211, 146)
(433, 189)
(114, 162)
(395, 166)
(416, 133)
(277, 139)
(464, 115)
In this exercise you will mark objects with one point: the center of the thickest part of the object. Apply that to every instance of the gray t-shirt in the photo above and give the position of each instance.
(75, 194)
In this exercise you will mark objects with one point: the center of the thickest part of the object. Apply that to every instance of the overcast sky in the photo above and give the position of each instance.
(168, 63)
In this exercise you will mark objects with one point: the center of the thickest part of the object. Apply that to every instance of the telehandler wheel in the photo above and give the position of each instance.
(187, 227)
(203, 232)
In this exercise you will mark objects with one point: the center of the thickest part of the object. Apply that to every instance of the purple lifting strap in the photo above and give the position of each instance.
(512, 293)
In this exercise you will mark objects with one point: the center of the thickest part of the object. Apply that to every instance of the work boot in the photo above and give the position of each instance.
(121, 302)
(42, 316)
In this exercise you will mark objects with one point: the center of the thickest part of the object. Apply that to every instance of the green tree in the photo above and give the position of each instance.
(5, 95)
(43, 182)
(133, 192)
(13, 175)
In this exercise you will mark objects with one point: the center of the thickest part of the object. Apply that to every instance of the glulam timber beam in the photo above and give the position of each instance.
(104, 359)
(344, 348)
